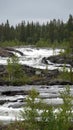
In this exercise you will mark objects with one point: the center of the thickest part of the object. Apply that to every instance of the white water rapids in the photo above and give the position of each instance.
(10, 109)
(33, 57)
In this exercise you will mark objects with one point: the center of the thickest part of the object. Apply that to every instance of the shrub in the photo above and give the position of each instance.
(37, 117)
(65, 114)
(14, 69)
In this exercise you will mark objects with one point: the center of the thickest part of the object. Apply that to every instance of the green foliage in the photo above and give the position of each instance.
(14, 69)
(48, 121)
(65, 114)
(66, 75)
(68, 50)
(37, 117)
(34, 119)
(30, 112)
(42, 43)
(71, 42)
(12, 43)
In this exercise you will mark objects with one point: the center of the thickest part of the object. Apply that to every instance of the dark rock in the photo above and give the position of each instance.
(2, 102)
(44, 78)
(3, 127)
(61, 59)
(5, 53)
(12, 93)
(8, 52)
(17, 105)
(44, 60)
(13, 50)
(59, 82)
(2, 68)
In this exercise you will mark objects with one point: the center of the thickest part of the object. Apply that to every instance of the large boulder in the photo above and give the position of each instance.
(61, 59)
(9, 52)
(5, 53)
(13, 50)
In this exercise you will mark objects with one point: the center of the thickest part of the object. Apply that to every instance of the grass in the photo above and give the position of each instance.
(40, 43)
(12, 43)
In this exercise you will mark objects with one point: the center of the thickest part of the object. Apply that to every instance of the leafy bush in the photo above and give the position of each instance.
(37, 117)
(30, 112)
(14, 69)
(66, 75)
(42, 43)
(65, 115)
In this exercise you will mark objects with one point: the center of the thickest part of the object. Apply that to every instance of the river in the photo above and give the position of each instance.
(12, 104)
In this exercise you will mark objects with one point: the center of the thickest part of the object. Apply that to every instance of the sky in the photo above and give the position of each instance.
(17, 11)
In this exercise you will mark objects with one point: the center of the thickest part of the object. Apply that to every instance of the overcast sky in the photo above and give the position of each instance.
(37, 10)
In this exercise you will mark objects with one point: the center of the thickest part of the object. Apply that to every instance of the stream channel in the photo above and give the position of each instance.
(10, 105)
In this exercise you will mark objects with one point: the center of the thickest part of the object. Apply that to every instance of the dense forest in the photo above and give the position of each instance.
(51, 32)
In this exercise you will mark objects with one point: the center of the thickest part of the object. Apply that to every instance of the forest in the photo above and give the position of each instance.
(55, 31)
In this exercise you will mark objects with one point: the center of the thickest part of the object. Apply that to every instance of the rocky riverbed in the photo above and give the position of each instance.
(42, 68)
(38, 75)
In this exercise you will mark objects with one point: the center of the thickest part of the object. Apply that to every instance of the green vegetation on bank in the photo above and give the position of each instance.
(14, 68)
(66, 74)
(41, 43)
(12, 43)
(15, 73)
(38, 115)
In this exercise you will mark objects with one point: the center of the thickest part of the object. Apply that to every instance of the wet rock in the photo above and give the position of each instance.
(53, 72)
(13, 50)
(2, 82)
(2, 102)
(38, 72)
(17, 105)
(5, 53)
(8, 52)
(12, 93)
(60, 82)
(61, 59)
(38, 77)
(44, 60)
(3, 126)
(2, 68)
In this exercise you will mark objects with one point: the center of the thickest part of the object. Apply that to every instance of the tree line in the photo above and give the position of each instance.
(53, 31)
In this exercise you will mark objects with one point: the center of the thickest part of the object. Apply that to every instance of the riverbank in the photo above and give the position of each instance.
(33, 76)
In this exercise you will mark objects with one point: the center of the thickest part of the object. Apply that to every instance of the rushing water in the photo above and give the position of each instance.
(10, 110)
(33, 57)
(11, 105)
